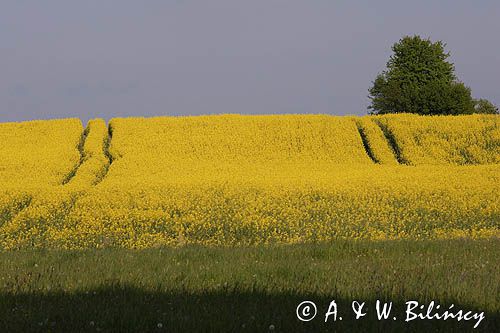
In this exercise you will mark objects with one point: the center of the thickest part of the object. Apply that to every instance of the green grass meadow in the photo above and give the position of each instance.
(247, 289)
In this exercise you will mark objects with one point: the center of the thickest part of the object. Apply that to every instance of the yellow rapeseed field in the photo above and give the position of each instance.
(231, 179)
(38, 152)
(376, 143)
(471, 139)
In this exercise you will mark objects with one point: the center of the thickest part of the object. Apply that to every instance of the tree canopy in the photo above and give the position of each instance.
(420, 79)
(484, 106)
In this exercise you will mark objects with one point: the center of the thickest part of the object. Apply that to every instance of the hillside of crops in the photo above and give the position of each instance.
(232, 180)
(38, 152)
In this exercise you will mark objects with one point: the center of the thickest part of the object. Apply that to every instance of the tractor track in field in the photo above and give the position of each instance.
(107, 154)
(105, 151)
(391, 139)
(67, 205)
(80, 146)
(366, 145)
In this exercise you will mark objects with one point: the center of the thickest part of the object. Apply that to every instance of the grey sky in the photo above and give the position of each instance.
(104, 58)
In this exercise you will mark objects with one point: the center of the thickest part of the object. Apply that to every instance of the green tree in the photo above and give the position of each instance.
(484, 106)
(419, 79)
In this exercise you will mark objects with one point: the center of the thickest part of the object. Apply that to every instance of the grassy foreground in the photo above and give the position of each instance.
(247, 289)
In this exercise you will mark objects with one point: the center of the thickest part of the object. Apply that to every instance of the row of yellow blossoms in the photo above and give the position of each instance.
(227, 180)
